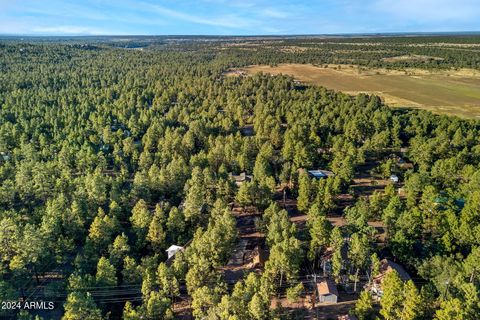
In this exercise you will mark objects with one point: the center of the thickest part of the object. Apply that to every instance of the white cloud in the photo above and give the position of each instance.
(226, 20)
(74, 30)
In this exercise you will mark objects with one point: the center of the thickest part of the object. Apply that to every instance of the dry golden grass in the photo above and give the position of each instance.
(455, 92)
(414, 57)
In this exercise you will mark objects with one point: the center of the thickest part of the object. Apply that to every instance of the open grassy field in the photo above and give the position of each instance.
(455, 92)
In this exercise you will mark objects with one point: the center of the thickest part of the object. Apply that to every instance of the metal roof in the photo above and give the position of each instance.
(326, 287)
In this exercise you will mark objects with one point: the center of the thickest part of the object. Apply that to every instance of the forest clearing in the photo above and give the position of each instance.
(453, 92)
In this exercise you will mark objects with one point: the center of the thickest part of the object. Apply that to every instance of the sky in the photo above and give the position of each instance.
(235, 17)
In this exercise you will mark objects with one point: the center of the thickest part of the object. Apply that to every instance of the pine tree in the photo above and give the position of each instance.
(156, 235)
(392, 298)
(320, 229)
(412, 303)
(129, 312)
(80, 306)
(258, 307)
(167, 281)
(358, 253)
(336, 239)
(203, 298)
(131, 272)
(119, 249)
(375, 265)
(244, 195)
(106, 273)
(196, 196)
(337, 264)
(157, 306)
(452, 309)
(364, 306)
(304, 198)
(175, 225)
(141, 219)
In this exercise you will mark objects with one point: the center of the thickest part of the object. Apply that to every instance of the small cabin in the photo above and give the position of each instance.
(394, 178)
(172, 250)
(327, 292)
(241, 178)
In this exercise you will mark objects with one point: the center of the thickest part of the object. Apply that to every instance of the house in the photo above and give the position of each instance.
(394, 178)
(387, 266)
(241, 178)
(327, 291)
(172, 250)
(319, 174)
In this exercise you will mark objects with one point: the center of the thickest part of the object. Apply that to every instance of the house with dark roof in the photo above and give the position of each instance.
(386, 266)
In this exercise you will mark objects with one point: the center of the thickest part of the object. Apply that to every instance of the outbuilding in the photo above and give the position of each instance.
(327, 292)
(394, 178)
(172, 250)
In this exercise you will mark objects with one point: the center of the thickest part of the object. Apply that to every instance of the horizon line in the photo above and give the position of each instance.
(392, 33)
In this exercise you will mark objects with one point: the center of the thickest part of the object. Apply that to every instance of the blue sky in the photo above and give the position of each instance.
(235, 17)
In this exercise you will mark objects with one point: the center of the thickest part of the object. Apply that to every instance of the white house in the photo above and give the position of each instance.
(172, 250)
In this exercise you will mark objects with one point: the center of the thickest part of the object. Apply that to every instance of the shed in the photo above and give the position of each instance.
(172, 250)
(327, 291)
(394, 178)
